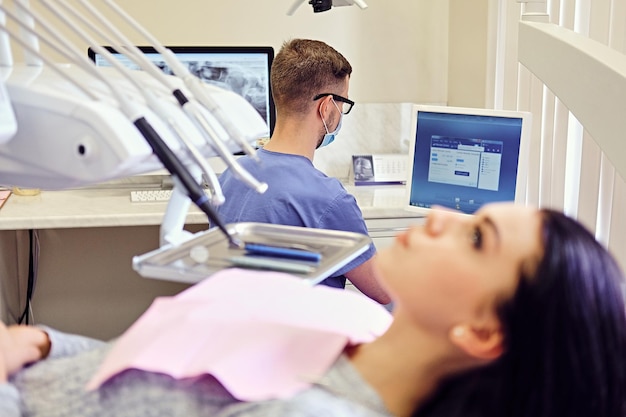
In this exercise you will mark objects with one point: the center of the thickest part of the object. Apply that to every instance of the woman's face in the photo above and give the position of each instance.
(456, 267)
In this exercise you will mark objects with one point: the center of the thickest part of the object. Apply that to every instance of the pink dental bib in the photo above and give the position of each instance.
(263, 335)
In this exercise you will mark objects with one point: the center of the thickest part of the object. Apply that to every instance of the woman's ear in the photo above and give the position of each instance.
(479, 342)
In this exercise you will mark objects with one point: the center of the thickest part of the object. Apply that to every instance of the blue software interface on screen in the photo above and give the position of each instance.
(463, 161)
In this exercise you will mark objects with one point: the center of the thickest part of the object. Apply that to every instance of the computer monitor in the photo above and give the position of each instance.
(463, 158)
(242, 69)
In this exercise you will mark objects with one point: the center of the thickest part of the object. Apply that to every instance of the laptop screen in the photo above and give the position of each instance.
(463, 158)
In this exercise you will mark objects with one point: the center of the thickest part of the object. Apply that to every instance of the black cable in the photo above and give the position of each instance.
(31, 278)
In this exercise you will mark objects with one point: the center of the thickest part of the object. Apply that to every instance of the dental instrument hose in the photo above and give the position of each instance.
(177, 168)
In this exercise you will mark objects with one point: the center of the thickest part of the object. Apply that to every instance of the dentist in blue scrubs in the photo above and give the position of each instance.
(310, 83)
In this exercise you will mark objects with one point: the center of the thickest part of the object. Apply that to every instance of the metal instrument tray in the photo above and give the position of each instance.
(209, 251)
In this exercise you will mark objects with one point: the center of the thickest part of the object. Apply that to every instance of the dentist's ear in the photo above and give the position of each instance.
(479, 342)
(322, 107)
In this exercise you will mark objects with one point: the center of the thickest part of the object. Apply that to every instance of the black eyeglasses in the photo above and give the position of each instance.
(348, 104)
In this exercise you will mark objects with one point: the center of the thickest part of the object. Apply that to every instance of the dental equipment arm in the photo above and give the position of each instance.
(66, 138)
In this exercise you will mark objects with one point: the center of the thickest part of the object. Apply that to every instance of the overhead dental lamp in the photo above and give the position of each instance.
(324, 5)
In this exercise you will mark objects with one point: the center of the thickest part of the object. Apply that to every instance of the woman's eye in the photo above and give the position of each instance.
(477, 237)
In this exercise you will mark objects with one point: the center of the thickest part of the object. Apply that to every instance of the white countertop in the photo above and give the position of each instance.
(111, 207)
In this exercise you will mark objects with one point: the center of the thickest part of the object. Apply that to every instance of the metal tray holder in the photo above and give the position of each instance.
(208, 252)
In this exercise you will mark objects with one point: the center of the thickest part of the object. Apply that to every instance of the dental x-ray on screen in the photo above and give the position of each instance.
(244, 70)
(463, 158)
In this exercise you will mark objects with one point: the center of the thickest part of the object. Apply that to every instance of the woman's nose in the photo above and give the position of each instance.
(434, 223)
(440, 218)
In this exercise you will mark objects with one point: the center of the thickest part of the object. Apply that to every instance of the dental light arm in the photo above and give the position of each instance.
(324, 5)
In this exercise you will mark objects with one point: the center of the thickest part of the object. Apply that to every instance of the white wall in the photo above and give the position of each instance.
(398, 48)
(469, 38)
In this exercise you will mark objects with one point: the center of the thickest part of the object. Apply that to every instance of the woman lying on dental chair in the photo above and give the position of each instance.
(511, 312)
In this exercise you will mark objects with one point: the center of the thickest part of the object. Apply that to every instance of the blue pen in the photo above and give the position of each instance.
(282, 252)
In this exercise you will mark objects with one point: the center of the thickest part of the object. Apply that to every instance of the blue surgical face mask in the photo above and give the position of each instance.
(329, 137)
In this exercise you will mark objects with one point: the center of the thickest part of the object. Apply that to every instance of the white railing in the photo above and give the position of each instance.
(564, 62)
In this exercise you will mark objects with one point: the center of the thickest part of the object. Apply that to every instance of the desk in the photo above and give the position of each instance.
(85, 281)
(111, 207)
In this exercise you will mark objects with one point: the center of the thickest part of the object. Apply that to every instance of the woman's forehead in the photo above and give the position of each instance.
(508, 210)
(519, 230)
(516, 224)
(519, 227)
